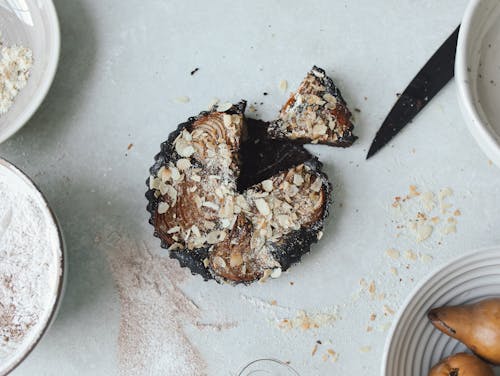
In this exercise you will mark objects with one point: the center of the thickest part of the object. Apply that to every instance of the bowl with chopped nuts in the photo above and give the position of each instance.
(29, 54)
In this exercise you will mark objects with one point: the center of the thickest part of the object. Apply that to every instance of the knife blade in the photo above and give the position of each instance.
(427, 83)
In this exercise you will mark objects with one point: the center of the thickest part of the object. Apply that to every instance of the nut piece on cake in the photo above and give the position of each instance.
(316, 113)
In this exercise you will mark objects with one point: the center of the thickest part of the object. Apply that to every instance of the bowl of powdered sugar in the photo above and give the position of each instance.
(29, 54)
(31, 267)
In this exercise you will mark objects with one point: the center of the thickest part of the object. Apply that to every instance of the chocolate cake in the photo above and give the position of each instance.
(316, 113)
(231, 202)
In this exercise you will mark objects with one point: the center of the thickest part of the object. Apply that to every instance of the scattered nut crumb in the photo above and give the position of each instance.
(425, 258)
(388, 310)
(392, 253)
(182, 99)
(283, 85)
(410, 255)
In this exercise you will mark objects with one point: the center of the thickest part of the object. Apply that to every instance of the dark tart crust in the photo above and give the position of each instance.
(316, 113)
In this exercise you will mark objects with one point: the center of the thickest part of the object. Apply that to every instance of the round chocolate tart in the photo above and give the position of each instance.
(233, 203)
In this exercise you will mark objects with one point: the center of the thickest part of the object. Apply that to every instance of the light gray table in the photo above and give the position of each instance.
(123, 63)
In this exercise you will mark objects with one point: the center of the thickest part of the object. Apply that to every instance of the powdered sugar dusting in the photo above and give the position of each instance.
(153, 311)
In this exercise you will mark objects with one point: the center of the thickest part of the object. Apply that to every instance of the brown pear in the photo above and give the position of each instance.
(477, 326)
(461, 364)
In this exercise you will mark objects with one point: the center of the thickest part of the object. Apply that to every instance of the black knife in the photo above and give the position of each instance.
(432, 77)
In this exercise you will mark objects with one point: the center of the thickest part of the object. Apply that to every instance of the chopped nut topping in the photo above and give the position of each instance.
(163, 207)
(262, 207)
(267, 185)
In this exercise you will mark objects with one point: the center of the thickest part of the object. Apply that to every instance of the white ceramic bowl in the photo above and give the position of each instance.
(55, 291)
(33, 24)
(414, 345)
(477, 69)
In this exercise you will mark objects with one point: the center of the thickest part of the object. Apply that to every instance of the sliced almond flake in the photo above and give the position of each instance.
(224, 107)
(320, 235)
(450, 229)
(388, 310)
(196, 231)
(196, 178)
(211, 205)
(163, 188)
(330, 98)
(183, 164)
(444, 207)
(384, 327)
(163, 207)
(292, 191)
(209, 225)
(186, 135)
(283, 85)
(214, 237)
(423, 232)
(428, 201)
(198, 201)
(183, 148)
(235, 259)
(175, 247)
(266, 275)
(213, 103)
(392, 253)
(298, 180)
(267, 185)
(410, 255)
(154, 183)
(319, 130)
(172, 193)
(445, 192)
(426, 258)
(206, 262)
(182, 99)
(227, 119)
(173, 230)
(316, 186)
(175, 173)
(164, 174)
(219, 261)
(262, 207)
(276, 273)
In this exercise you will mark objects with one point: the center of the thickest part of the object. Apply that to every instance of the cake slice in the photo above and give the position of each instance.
(315, 113)
(193, 181)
